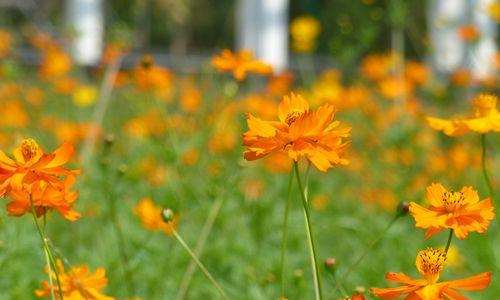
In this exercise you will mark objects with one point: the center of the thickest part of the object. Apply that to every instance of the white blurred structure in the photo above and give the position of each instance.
(483, 52)
(86, 18)
(262, 26)
(449, 51)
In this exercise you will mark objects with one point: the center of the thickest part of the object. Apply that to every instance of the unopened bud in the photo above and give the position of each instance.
(331, 263)
(167, 215)
(403, 209)
(109, 140)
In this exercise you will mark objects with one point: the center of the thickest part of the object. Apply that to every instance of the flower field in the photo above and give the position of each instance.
(240, 182)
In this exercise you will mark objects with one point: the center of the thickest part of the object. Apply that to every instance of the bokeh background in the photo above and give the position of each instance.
(75, 71)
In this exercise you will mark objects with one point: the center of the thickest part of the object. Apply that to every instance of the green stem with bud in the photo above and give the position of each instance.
(310, 236)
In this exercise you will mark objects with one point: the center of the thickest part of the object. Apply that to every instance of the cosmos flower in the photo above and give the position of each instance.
(486, 118)
(45, 197)
(31, 164)
(429, 264)
(77, 284)
(240, 64)
(150, 216)
(461, 211)
(299, 132)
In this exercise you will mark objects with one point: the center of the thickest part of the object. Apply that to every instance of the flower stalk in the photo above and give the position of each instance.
(448, 243)
(197, 261)
(310, 236)
(48, 256)
(483, 167)
(285, 232)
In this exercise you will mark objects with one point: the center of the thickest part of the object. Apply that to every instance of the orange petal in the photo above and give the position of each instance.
(394, 292)
(473, 283)
(61, 155)
(434, 194)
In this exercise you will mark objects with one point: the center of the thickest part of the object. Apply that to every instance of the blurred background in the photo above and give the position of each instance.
(451, 34)
(130, 83)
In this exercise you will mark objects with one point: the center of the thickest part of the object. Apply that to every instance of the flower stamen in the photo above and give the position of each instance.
(452, 200)
(430, 263)
(29, 149)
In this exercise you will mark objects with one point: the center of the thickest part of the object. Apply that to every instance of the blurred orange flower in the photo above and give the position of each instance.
(486, 118)
(417, 72)
(461, 77)
(6, 43)
(461, 211)
(299, 132)
(429, 264)
(77, 284)
(240, 64)
(280, 84)
(468, 32)
(378, 66)
(150, 216)
(55, 64)
(31, 164)
(148, 76)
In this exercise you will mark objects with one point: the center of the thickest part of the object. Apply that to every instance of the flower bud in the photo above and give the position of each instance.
(331, 263)
(403, 208)
(167, 215)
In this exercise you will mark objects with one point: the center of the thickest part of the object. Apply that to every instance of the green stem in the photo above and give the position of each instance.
(310, 236)
(198, 262)
(48, 255)
(207, 228)
(285, 232)
(448, 243)
(365, 253)
(483, 165)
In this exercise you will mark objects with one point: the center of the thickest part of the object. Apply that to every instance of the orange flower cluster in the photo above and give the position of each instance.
(240, 64)
(461, 212)
(299, 132)
(486, 118)
(38, 179)
(77, 284)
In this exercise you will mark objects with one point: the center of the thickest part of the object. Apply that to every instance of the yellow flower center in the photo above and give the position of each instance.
(292, 116)
(452, 200)
(29, 149)
(430, 262)
(486, 105)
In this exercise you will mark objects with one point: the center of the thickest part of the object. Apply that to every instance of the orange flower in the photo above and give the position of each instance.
(148, 76)
(32, 164)
(55, 64)
(378, 66)
(429, 264)
(417, 72)
(45, 197)
(240, 64)
(6, 43)
(486, 118)
(461, 77)
(461, 211)
(280, 84)
(150, 215)
(468, 32)
(77, 284)
(299, 132)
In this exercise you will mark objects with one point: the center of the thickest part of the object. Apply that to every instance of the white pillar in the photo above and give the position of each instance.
(262, 26)
(448, 50)
(87, 20)
(484, 50)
